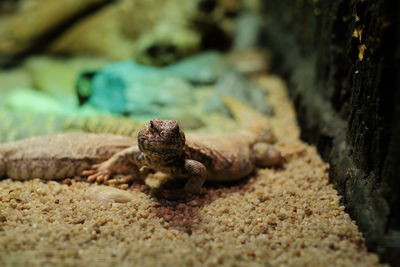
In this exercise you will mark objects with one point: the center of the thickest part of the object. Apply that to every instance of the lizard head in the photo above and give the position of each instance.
(162, 138)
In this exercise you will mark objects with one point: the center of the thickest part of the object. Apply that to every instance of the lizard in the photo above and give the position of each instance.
(163, 147)
(17, 125)
(59, 156)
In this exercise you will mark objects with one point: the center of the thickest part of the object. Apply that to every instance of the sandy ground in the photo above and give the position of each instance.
(277, 217)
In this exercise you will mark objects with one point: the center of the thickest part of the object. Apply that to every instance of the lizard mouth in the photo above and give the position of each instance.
(162, 150)
(159, 146)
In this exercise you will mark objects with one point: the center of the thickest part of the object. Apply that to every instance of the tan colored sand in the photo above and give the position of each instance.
(278, 217)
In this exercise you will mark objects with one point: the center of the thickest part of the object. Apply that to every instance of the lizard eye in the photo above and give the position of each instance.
(175, 127)
(163, 133)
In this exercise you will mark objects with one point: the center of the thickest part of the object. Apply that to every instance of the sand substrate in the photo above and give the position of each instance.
(289, 216)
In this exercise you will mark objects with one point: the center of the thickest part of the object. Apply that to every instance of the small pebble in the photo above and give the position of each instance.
(107, 194)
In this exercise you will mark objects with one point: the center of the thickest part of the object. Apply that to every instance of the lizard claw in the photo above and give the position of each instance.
(125, 180)
(102, 177)
(91, 172)
(96, 166)
(92, 178)
(88, 172)
(97, 173)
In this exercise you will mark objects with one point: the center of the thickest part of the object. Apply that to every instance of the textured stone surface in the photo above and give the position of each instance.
(339, 57)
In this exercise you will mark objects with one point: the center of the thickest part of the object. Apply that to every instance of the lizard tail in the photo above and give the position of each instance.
(249, 118)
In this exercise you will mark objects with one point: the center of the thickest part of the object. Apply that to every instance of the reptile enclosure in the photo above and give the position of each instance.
(324, 73)
(341, 60)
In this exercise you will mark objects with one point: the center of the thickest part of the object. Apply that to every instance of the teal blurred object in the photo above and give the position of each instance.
(27, 99)
(170, 92)
(204, 68)
(131, 88)
(234, 84)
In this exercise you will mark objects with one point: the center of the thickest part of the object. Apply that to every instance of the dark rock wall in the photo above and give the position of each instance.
(341, 60)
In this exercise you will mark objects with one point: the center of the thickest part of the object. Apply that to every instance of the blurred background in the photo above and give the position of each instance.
(81, 61)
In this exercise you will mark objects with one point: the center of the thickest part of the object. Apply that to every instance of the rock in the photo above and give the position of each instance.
(177, 91)
(203, 68)
(22, 30)
(26, 99)
(149, 31)
(14, 78)
(146, 92)
(234, 84)
(107, 194)
(57, 77)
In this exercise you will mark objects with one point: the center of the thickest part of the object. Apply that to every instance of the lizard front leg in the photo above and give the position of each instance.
(128, 160)
(196, 173)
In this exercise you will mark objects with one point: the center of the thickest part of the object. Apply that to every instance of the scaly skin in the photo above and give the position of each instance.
(59, 156)
(17, 125)
(162, 147)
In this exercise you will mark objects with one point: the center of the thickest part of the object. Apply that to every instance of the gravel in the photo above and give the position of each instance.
(290, 216)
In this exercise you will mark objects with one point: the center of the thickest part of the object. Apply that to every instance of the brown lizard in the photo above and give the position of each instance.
(58, 156)
(163, 147)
